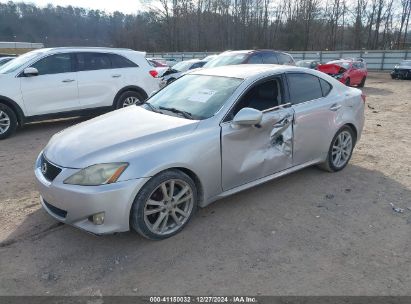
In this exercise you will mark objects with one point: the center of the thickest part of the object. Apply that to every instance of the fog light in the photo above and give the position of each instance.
(98, 218)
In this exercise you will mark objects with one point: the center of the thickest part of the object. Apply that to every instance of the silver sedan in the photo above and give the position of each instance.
(209, 134)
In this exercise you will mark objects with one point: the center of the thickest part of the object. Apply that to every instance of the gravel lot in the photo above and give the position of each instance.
(310, 233)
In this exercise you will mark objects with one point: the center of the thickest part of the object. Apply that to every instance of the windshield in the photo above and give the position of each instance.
(17, 63)
(226, 59)
(200, 95)
(405, 63)
(182, 66)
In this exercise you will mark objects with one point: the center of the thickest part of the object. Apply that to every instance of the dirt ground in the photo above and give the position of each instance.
(309, 233)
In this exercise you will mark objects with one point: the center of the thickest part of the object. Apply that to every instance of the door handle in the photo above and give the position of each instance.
(116, 75)
(281, 124)
(68, 80)
(335, 107)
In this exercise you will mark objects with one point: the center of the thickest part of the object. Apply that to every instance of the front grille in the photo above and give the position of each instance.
(49, 170)
(57, 211)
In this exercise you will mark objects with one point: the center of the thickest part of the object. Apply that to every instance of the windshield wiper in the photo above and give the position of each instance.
(152, 108)
(174, 110)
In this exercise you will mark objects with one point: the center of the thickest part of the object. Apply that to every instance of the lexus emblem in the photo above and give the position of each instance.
(44, 168)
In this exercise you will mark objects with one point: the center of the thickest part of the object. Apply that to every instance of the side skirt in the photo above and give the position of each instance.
(261, 181)
(83, 112)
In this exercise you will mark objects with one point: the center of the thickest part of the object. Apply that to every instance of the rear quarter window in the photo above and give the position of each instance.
(119, 62)
(325, 87)
(285, 59)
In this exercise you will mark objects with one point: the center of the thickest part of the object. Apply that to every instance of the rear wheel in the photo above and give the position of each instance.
(340, 150)
(164, 206)
(347, 82)
(129, 98)
(362, 83)
(8, 121)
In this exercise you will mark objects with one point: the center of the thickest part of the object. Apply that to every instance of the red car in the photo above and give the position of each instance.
(349, 72)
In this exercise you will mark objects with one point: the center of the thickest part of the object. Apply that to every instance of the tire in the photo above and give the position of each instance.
(362, 83)
(330, 163)
(129, 98)
(8, 121)
(170, 80)
(347, 82)
(152, 210)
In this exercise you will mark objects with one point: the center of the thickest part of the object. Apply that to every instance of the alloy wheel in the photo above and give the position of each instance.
(169, 207)
(4, 122)
(130, 101)
(342, 149)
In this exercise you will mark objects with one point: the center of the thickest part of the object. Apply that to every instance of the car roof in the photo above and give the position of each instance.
(245, 71)
(90, 49)
(253, 51)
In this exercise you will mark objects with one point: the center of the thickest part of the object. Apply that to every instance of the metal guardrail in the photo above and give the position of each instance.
(20, 45)
(376, 60)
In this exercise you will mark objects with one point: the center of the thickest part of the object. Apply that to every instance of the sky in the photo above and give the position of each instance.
(125, 6)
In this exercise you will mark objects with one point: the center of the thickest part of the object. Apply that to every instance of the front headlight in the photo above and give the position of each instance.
(96, 175)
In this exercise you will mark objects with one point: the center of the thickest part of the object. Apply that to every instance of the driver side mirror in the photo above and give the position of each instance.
(29, 72)
(248, 117)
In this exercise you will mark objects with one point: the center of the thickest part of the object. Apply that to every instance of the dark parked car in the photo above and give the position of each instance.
(402, 70)
(251, 57)
(311, 64)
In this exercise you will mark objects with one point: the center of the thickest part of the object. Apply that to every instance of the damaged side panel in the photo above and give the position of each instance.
(250, 152)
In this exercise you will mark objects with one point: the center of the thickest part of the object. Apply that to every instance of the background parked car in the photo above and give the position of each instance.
(209, 58)
(57, 82)
(159, 60)
(179, 69)
(402, 70)
(159, 67)
(250, 56)
(311, 64)
(346, 71)
(4, 60)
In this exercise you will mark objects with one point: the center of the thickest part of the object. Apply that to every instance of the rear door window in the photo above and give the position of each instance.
(93, 61)
(256, 58)
(303, 87)
(270, 58)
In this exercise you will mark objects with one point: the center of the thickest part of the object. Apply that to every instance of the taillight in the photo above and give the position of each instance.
(363, 97)
(153, 73)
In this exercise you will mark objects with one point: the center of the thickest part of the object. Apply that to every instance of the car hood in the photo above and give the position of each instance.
(331, 68)
(114, 137)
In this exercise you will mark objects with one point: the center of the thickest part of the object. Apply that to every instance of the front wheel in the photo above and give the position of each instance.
(362, 83)
(8, 121)
(164, 205)
(340, 150)
(347, 82)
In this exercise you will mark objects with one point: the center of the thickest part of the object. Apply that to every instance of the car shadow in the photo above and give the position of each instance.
(299, 221)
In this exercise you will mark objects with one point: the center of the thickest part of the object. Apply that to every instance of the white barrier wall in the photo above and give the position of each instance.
(376, 60)
(20, 45)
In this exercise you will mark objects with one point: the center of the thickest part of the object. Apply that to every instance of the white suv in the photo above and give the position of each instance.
(63, 82)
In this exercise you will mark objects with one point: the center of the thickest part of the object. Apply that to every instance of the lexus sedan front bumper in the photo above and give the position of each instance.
(76, 205)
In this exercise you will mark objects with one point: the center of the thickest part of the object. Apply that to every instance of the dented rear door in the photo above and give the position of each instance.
(250, 152)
